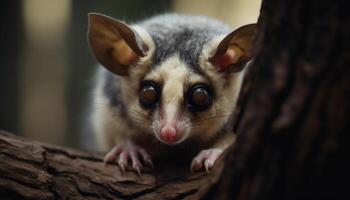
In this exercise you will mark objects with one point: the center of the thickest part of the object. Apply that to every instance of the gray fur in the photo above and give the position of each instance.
(109, 89)
(182, 34)
(175, 37)
(172, 33)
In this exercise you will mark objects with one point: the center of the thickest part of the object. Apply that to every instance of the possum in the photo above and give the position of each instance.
(168, 87)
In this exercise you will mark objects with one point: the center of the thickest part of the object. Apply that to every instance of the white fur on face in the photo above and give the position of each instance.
(174, 77)
(137, 71)
(226, 87)
(130, 84)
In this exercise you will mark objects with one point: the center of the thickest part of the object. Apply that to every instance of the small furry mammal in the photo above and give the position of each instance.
(171, 84)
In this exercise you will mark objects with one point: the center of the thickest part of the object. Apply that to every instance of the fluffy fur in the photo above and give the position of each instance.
(179, 47)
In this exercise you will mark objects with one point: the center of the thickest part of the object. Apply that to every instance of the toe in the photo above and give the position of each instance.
(136, 164)
(127, 153)
(208, 164)
(122, 167)
(123, 161)
(112, 155)
(146, 158)
(138, 169)
(195, 166)
(210, 161)
(197, 162)
(205, 159)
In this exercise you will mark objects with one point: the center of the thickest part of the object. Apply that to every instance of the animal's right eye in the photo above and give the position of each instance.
(149, 94)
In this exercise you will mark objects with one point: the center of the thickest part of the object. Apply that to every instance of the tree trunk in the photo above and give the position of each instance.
(291, 127)
(291, 133)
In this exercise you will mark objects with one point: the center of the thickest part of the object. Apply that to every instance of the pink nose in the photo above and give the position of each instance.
(168, 133)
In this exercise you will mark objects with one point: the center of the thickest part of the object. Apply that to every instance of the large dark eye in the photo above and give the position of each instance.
(199, 97)
(149, 94)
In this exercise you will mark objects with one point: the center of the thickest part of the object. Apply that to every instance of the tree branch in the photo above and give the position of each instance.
(33, 170)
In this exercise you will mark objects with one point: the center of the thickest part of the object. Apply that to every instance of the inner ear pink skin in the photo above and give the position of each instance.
(224, 61)
(169, 133)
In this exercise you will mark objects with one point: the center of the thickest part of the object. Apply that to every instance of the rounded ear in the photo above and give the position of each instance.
(235, 50)
(115, 44)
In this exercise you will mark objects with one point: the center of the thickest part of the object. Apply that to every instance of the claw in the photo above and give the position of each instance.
(123, 161)
(149, 163)
(112, 155)
(208, 166)
(122, 168)
(125, 152)
(195, 167)
(196, 164)
(205, 159)
(146, 158)
(138, 170)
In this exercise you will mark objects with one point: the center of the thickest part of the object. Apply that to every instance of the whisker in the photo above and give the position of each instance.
(137, 114)
(195, 121)
(156, 116)
(134, 111)
(138, 117)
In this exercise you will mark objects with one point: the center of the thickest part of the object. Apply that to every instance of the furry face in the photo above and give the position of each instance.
(171, 75)
(175, 85)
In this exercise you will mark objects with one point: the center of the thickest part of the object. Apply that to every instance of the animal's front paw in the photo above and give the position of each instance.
(205, 159)
(127, 151)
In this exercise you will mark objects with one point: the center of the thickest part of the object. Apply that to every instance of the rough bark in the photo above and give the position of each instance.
(31, 170)
(292, 132)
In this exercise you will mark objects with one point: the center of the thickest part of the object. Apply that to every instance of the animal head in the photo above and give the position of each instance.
(180, 75)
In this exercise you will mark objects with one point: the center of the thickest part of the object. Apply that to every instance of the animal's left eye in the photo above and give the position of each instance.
(200, 97)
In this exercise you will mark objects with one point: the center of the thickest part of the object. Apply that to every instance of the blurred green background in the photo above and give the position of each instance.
(47, 70)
